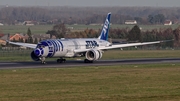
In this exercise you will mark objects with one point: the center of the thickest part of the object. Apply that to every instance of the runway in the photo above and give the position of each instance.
(78, 63)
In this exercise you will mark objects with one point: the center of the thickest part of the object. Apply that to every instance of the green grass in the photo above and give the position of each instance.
(37, 29)
(144, 27)
(157, 82)
(42, 29)
(128, 54)
(24, 55)
(15, 55)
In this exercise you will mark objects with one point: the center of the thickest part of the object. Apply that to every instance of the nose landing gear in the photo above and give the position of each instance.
(42, 59)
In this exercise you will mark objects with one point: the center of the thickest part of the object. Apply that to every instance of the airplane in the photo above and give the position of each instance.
(90, 48)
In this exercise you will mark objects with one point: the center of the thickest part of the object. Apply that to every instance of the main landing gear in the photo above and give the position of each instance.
(87, 61)
(61, 60)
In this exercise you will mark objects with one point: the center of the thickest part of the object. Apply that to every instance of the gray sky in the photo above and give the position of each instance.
(154, 3)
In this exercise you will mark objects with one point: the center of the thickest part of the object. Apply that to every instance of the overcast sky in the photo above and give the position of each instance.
(154, 3)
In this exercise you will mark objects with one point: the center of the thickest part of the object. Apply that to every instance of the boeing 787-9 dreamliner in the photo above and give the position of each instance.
(90, 48)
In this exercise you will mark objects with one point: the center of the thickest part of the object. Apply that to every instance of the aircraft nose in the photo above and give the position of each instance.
(38, 51)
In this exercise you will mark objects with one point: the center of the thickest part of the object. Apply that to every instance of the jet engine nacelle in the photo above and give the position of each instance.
(93, 55)
(34, 57)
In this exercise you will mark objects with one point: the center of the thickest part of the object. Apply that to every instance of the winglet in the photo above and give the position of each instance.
(167, 40)
(105, 28)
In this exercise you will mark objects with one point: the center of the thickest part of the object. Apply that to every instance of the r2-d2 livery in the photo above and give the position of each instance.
(90, 48)
(69, 48)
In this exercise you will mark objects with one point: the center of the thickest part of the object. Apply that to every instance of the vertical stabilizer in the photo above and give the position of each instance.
(105, 29)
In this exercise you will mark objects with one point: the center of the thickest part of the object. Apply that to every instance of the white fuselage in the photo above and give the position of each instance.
(66, 47)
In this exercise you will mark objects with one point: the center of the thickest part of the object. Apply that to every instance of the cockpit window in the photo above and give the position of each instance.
(40, 46)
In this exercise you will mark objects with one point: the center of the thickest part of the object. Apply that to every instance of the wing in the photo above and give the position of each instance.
(122, 46)
(129, 45)
(23, 44)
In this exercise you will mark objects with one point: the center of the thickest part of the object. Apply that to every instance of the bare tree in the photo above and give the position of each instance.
(30, 39)
(135, 34)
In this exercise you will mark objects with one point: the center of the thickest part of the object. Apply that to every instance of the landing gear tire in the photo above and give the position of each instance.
(61, 60)
(43, 62)
(64, 60)
(87, 61)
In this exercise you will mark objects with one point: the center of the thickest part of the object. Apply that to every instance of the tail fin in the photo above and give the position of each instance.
(105, 29)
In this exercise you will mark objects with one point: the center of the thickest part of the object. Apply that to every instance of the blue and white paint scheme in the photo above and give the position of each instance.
(105, 29)
(90, 48)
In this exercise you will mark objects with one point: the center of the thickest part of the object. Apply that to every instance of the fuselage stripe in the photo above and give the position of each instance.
(53, 45)
(58, 44)
(61, 44)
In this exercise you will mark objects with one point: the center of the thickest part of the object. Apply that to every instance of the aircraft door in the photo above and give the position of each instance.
(76, 44)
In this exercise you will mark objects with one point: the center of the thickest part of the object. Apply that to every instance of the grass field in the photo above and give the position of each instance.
(155, 82)
(37, 29)
(150, 82)
(24, 55)
(42, 29)
(128, 54)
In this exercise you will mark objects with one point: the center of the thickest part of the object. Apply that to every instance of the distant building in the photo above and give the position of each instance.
(1, 35)
(70, 27)
(168, 22)
(3, 39)
(1, 24)
(2, 42)
(29, 23)
(24, 37)
(130, 22)
(16, 37)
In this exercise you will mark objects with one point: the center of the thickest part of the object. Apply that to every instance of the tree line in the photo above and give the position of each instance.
(131, 35)
(88, 15)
